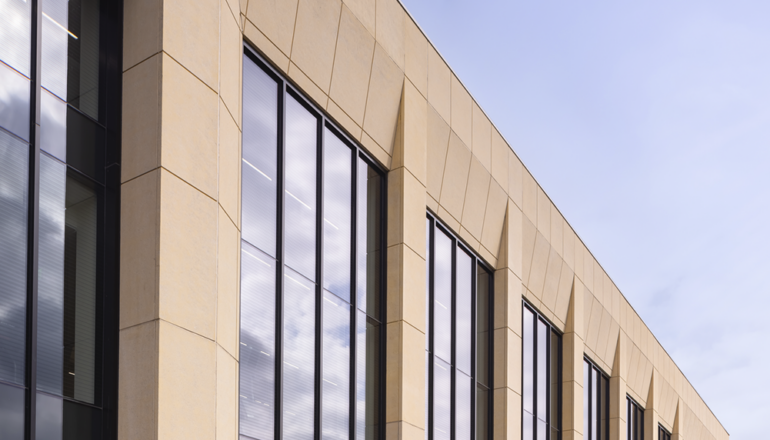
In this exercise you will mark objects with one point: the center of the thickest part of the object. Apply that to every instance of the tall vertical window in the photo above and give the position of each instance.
(311, 271)
(596, 402)
(634, 420)
(60, 79)
(663, 434)
(458, 344)
(541, 393)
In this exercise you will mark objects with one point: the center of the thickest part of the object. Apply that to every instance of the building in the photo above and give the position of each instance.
(255, 219)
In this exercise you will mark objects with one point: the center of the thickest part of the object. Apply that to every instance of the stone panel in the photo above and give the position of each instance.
(461, 111)
(275, 19)
(382, 105)
(191, 37)
(364, 10)
(141, 118)
(438, 142)
(138, 382)
(315, 38)
(476, 195)
(390, 17)
(416, 56)
(439, 84)
(453, 187)
(228, 292)
(494, 218)
(352, 66)
(142, 31)
(500, 156)
(482, 137)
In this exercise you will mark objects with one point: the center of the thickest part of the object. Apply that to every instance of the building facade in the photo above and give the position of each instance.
(264, 219)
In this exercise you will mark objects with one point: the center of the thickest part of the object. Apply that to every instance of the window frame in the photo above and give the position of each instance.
(663, 433)
(606, 397)
(476, 261)
(635, 432)
(560, 368)
(285, 88)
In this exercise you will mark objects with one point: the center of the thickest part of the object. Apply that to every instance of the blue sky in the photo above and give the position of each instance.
(648, 124)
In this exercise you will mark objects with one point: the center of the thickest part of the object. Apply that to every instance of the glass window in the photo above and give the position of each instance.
(635, 420)
(16, 34)
(257, 354)
(663, 434)
(11, 412)
(14, 97)
(458, 339)
(541, 375)
(311, 237)
(596, 394)
(14, 184)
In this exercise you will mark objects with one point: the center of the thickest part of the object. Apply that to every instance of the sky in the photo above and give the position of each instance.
(648, 125)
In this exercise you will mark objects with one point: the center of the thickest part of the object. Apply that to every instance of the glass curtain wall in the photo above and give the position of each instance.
(634, 420)
(596, 402)
(541, 378)
(311, 271)
(59, 179)
(459, 337)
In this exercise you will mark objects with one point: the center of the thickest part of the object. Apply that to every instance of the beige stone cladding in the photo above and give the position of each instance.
(376, 74)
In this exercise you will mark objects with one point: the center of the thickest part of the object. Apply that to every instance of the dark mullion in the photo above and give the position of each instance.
(353, 293)
(383, 299)
(319, 274)
(32, 220)
(280, 226)
(453, 351)
(474, 335)
(559, 385)
(490, 351)
(548, 385)
(431, 311)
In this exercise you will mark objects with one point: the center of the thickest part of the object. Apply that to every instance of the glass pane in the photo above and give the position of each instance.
(337, 215)
(11, 413)
(260, 158)
(586, 398)
(299, 357)
(48, 418)
(85, 145)
(464, 312)
(594, 404)
(527, 430)
(367, 377)
(542, 370)
(53, 125)
(604, 409)
(483, 327)
(81, 373)
(81, 422)
(257, 353)
(528, 356)
(335, 387)
(50, 323)
(482, 413)
(427, 393)
(14, 184)
(463, 409)
(427, 291)
(555, 380)
(300, 209)
(369, 234)
(442, 400)
(442, 296)
(83, 59)
(542, 430)
(14, 98)
(54, 46)
(16, 34)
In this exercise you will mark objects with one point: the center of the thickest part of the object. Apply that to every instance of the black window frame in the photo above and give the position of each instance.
(635, 411)
(560, 367)
(477, 261)
(663, 433)
(605, 428)
(105, 176)
(287, 88)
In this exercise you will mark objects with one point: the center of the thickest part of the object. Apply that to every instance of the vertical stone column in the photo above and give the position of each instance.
(618, 390)
(507, 335)
(405, 380)
(651, 416)
(180, 220)
(678, 428)
(572, 379)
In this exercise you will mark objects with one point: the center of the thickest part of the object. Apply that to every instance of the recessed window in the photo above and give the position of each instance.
(663, 434)
(311, 271)
(596, 399)
(459, 339)
(634, 420)
(541, 370)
